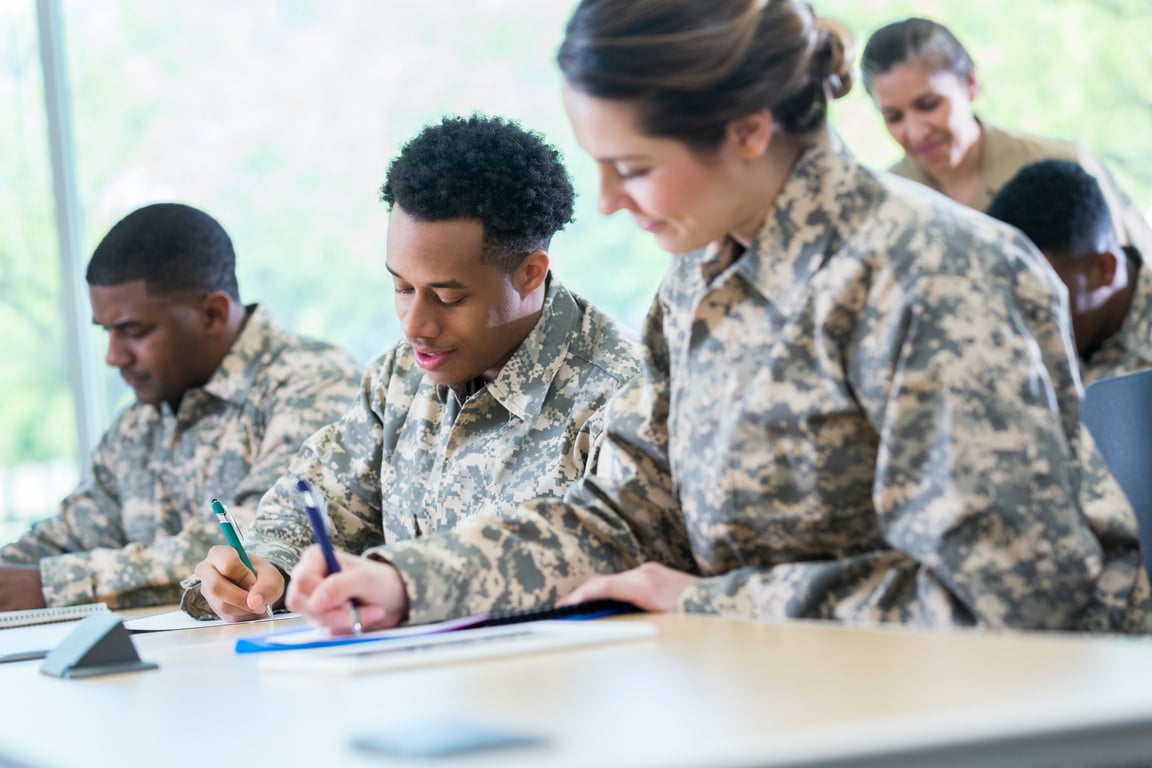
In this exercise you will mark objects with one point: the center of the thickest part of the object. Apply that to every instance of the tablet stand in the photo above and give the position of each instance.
(100, 645)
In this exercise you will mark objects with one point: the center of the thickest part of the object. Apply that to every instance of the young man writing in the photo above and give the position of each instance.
(494, 396)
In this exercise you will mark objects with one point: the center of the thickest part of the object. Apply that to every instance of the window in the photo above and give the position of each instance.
(37, 416)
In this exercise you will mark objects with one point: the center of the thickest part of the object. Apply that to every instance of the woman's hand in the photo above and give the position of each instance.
(651, 587)
(326, 599)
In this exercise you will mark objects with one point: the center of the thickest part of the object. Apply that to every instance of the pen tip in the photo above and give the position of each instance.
(302, 485)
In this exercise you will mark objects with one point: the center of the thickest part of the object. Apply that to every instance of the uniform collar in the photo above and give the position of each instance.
(1135, 335)
(523, 383)
(801, 230)
(250, 353)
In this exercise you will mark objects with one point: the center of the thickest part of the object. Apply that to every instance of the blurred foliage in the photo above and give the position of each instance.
(279, 117)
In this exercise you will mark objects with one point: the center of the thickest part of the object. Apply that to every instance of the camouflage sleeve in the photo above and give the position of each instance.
(127, 575)
(342, 463)
(977, 479)
(89, 517)
(616, 519)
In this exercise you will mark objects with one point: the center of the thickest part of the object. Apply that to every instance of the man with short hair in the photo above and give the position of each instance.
(495, 395)
(224, 399)
(1062, 210)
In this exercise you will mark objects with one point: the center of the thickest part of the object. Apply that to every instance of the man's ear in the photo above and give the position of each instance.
(752, 133)
(216, 309)
(531, 273)
(1103, 270)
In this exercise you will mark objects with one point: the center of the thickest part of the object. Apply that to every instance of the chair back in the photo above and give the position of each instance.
(1118, 413)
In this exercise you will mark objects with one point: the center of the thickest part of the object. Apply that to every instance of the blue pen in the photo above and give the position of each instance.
(320, 531)
(232, 533)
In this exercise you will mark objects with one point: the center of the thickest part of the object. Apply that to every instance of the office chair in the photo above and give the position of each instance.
(1118, 413)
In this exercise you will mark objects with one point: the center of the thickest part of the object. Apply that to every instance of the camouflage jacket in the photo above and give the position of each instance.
(870, 415)
(128, 536)
(399, 465)
(1130, 348)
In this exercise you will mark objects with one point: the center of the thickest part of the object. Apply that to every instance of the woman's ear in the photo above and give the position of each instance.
(972, 84)
(752, 133)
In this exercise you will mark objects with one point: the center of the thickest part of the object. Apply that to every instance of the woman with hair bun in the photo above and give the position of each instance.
(859, 403)
(923, 81)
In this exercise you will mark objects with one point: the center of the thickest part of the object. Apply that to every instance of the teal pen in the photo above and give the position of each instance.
(232, 533)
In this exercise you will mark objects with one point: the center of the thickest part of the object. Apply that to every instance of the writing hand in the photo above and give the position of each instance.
(651, 587)
(233, 591)
(324, 598)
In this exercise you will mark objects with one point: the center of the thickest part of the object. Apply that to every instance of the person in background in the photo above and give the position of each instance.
(1062, 210)
(224, 399)
(924, 82)
(859, 403)
(495, 395)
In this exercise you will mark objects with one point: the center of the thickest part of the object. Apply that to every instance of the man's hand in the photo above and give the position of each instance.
(326, 600)
(651, 587)
(232, 590)
(20, 587)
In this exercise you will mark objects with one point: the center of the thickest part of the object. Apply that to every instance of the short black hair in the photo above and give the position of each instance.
(485, 168)
(172, 247)
(1059, 206)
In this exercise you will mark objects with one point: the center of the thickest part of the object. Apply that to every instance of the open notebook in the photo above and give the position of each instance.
(455, 646)
(464, 639)
(33, 616)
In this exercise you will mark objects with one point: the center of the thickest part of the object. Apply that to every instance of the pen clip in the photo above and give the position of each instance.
(224, 515)
(232, 521)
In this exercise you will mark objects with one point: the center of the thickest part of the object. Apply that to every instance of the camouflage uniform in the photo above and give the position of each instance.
(1130, 348)
(128, 536)
(410, 458)
(870, 415)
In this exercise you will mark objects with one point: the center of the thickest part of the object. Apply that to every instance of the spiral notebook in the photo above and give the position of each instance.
(33, 616)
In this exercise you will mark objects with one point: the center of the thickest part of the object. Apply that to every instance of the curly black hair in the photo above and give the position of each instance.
(485, 168)
(171, 247)
(1059, 206)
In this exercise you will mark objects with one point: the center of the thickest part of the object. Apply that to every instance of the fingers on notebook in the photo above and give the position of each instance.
(650, 587)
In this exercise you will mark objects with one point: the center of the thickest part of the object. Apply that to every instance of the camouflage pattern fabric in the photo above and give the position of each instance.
(1130, 349)
(410, 458)
(142, 523)
(871, 415)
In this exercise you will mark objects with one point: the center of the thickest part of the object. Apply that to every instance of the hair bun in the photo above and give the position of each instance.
(839, 48)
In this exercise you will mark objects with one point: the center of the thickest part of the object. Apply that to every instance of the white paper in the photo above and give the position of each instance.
(173, 620)
(455, 647)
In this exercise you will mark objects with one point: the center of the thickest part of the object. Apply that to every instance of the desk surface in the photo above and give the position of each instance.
(706, 691)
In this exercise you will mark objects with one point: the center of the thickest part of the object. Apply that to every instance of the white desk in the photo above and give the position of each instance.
(706, 692)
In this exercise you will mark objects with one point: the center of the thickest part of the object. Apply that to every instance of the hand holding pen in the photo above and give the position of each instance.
(234, 536)
(320, 531)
